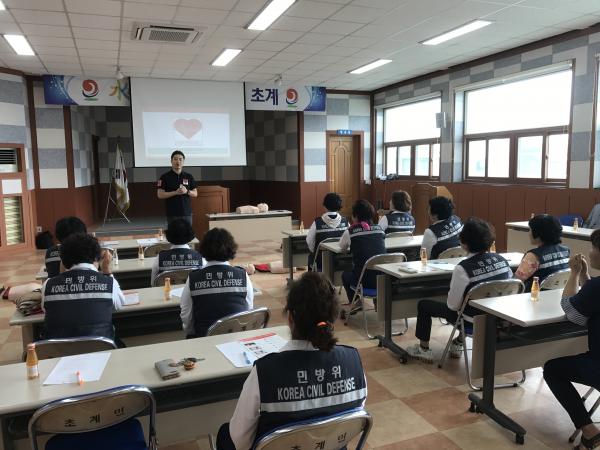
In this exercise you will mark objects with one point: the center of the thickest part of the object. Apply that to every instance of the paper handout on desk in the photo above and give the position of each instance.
(131, 298)
(442, 265)
(149, 241)
(109, 242)
(244, 352)
(90, 367)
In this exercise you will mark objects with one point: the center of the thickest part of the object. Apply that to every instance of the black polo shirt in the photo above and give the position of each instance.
(179, 205)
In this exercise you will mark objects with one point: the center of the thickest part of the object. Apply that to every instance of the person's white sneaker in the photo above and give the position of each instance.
(418, 352)
(456, 349)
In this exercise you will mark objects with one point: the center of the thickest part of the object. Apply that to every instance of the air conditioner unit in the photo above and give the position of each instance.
(167, 34)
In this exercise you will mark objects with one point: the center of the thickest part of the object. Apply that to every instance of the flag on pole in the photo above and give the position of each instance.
(121, 182)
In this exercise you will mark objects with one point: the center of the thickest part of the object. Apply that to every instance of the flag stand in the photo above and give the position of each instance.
(110, 200)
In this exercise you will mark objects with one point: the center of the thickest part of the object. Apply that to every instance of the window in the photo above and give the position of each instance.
(411, 139)
(519, 131)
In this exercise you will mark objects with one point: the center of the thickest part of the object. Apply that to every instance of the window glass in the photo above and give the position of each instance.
(422, 160)
(412, 121)
(435, 160)
(558, 146)
(404, 160)
(499, 158)
(391, 160)
(476, 159)
(529, 156)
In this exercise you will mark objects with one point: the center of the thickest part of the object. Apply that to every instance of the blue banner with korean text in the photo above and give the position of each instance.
(285, 98)
(71, 90)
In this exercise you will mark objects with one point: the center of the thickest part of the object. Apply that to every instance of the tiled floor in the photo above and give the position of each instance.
(415, 406)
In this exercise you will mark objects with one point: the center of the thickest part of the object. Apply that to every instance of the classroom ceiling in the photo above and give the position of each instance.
(314, 42)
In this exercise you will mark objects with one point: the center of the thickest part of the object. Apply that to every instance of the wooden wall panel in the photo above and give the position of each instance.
(558, 202)
(497, 214)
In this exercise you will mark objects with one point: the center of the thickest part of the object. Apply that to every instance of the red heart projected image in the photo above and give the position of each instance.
(188, 127)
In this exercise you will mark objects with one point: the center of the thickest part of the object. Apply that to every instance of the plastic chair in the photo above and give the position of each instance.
(178, 276)
(55, 348)
(454, 252)
(319, 250)
(569, 219)
(155, 249)
(591, 412)
(498, 288)
(242, 321)
(324, 433)
(396, 234)
(101, 420)
(556, 280)
(360, 292)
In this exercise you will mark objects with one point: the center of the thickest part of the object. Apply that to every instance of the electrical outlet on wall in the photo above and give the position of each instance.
(38, 229)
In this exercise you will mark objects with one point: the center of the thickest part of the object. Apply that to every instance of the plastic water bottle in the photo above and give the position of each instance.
(493, 247)
(167, 289)
(116, 258)
(301, 227)
(141, 253)
(423, 255)
(32, 362)
(575, 224)
(535, 289)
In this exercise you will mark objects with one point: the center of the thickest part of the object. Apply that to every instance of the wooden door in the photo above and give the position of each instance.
(343, 171)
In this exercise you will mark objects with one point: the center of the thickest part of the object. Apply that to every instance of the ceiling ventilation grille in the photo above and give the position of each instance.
(166, 34)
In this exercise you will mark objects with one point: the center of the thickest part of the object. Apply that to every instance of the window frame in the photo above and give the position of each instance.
(413, 150)
(513, 136)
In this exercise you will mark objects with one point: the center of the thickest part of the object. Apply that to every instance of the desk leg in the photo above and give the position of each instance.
(485, 403)
(386, 340)
(327, 265)
(290, 260)
(7, 443)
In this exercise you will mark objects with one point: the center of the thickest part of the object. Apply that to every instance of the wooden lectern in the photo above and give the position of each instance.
(421, 194)
(210, 200)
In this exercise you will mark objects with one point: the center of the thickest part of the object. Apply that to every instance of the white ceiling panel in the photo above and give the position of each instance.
(51, 41)
(39, 17)
(336, 27)
(45, 5)
(101, 45)
(201, 16)
(313, 9)
(279, 36)
(96, 33)
(146, 11)
(45, 30)
(95, 21)
(102, 7)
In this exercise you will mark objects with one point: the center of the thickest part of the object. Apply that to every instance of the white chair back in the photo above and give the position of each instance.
(178, 276)
(329, 433)
(155, 249)
(396, 234)
(454, 252)
(556, 280)
(497, 288)
(318, 250)
(56, 348)
(247, 320)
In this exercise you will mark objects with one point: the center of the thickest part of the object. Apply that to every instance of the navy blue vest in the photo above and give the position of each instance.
(485, 267)
(552, 258)
(446, 232)
(178, 258)
(365, 243)
(399, 221)
(78, 303)
(53, 261)
(324, 231)
(217, 291)
(298, 385)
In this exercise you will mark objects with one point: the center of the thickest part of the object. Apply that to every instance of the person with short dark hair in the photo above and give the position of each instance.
(217, 289)
(548, 256)
(64, 228)
(581, 306)
(364, 240)
(180, 255)
(330, 225)
(443, 232)
(476, 237)
(80, 301)
(310, 360)
(399, 218)
(176, 187)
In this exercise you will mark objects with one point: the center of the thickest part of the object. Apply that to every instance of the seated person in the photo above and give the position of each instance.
(548, 256)
(310, 358)
(216, 290)
(64, 228)
(364, 240)
(329, 225)
(476, 238)
(399, 218)
(442, 234)
(581, 306)
(180, 255)
(80, 301)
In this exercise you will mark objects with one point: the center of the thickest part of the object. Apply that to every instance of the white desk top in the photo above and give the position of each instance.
(150, 298)
(434, 267)
(295, 233)
(520, 310)
(234, 215)
(123, 244)
(567, 230)
(395, 243)
(134, 365)
(125, 265)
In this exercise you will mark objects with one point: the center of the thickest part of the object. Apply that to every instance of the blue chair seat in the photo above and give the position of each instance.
(367, 292)
(127, 435)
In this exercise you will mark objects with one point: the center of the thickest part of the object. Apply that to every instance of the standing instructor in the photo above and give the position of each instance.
(176, 187)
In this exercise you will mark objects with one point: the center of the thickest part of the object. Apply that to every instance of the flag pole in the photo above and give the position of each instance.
(110, 199)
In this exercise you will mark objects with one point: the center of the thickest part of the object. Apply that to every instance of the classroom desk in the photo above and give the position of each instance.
(151, 315)
(253, 227)
(198, 401)
(536, 332)
(517, 240)
(295, 250)
(130, 273)
(128, 248)
(398, 293)
(335, 260)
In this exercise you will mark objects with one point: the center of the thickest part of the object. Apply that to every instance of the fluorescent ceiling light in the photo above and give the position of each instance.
(19, 44)
(225, 57)
(371, 66)
(270, 14)
(2, 7)
(467, 28)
